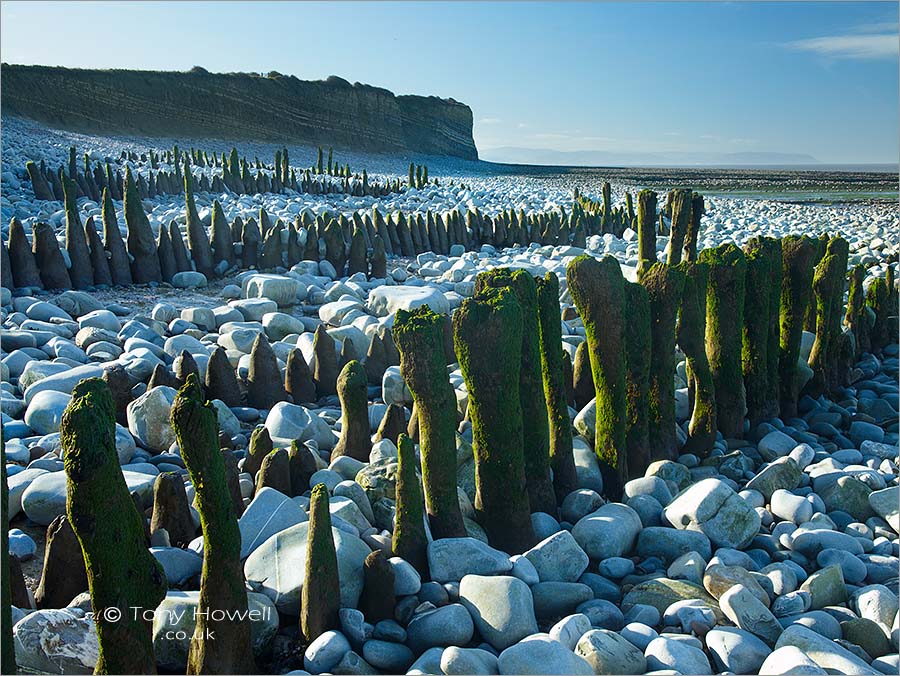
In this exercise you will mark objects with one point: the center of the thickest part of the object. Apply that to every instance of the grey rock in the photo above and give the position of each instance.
(609, 653)
(452, 559)
(393, 658)
(826, 587)
(555, 599)
(669, 544)
(749, 613)
(277, 567)
(712, 507)
(429, 662)
(148, 418)
(45, 411)
(558, 558)
(609, 531)
(825, 653)
(502, 608)
(445, 626)
(325, 652)
(569, 629)
(736, 650)
(775, 445)
(540, 654)
(269, 512)
(466, 661)
(668, 653)
(56, 642)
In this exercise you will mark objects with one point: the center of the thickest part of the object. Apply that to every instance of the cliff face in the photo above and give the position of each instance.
(240, 106)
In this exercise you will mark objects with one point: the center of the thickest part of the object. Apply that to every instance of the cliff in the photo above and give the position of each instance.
(237, 106)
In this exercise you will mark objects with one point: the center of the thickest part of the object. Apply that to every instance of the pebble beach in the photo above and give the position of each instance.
(774, 550)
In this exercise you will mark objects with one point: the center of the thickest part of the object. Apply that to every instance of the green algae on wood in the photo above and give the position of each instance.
(535, 422)
(857, 316)
(681, 220)
(646, 218)
(796, 292)
(724, 324)
(664, 284)
(691, 331)
(419, 336)
(758, 308)
(565, 479)
(139, 242)
(638, 352)
(828, 290)
(487, 332)
(352, 388)
(122, 574)
(220, 643)
(598, 289)
(408, 540)
(320, 598)
(198, 241)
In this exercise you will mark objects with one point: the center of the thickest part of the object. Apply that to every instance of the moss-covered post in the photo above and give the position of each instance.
(250, 239)
(664, 284)
(878, 300)
(126, 582)
(857, 319)
(796, 291)
(487, 332)
(681, 219)
(418, 335)
(198, 242)
(320, 599)
(535, 424)
(598, 289)
(139, 241)
(638, 351)
(23, 266)
(99, 263)
(171, 511)
(81, 272)
(39, 183)
(357, 259)
(646, 217)
(820, 244)
(828, 289)
(773, 378)
(326, 370)
(606, 222)
(221, 382)
(302, 465)
(298, 380)
(691, 332)
(265, 386)
(352, 387)
(334, 247)
(260, 446)
(222, 243)
(757, 321)
(408, 540)
(221, 641)
(698, 208)
(565, 480)
(725, 289)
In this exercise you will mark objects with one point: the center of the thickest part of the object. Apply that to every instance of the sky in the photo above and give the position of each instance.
(809, 78)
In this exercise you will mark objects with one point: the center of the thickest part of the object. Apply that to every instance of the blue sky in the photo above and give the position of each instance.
(819, 78)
